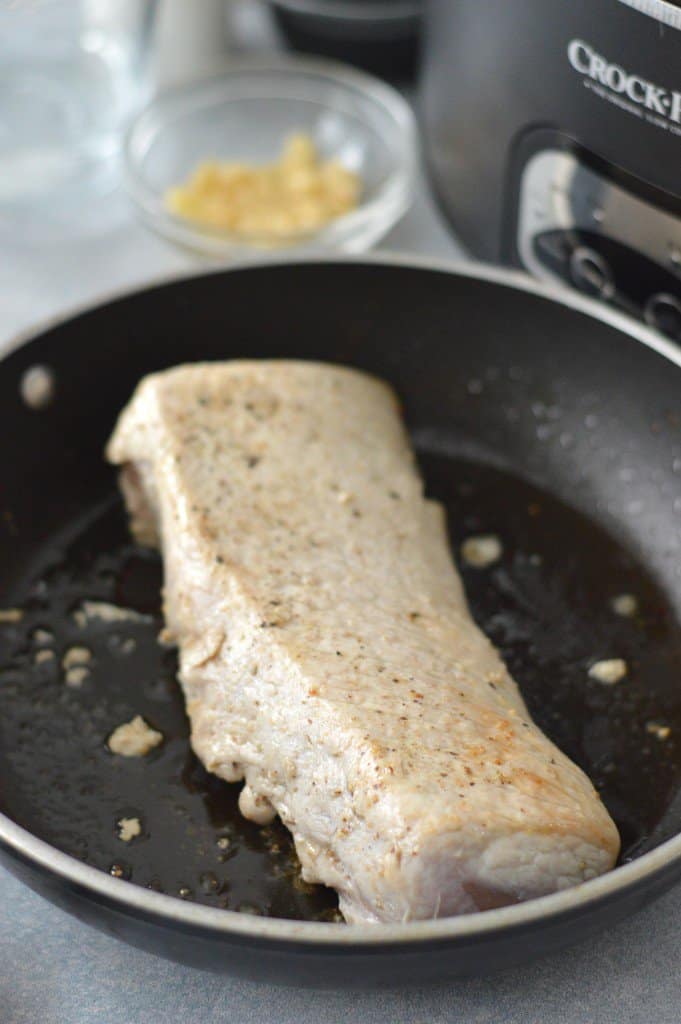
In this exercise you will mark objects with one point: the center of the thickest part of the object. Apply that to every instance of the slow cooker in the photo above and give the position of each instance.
(553, 137)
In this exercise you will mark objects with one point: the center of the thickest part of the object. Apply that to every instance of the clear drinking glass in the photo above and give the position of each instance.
(71, 74)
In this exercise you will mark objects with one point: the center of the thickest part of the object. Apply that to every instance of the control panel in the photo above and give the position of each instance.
(580, 228)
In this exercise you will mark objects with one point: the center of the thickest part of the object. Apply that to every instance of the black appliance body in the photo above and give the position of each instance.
(380, 36)
(553, 134)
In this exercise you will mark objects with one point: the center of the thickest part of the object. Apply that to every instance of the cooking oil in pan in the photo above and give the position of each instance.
(69, 677)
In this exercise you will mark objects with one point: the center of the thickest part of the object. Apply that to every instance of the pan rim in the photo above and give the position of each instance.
(225, 923)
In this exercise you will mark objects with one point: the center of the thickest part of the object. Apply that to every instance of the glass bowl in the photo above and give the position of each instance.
(246, 114)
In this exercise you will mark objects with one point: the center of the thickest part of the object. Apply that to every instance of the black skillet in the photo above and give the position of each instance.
(543, 420)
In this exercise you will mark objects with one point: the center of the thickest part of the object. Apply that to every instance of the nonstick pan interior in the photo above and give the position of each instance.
(532, 421)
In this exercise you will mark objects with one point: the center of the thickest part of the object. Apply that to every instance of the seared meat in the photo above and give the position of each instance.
(327, 654)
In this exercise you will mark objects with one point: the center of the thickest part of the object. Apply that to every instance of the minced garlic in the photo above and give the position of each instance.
(76, 676)
(660, 732)
(609, 671)
(482, 551)
(297, 194)
(134, 738)
(76, 656)
(102, 611)
(129, 829)
(11, 614)
(625, 605)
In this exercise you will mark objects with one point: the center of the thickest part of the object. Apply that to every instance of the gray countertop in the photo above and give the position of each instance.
(54, 970)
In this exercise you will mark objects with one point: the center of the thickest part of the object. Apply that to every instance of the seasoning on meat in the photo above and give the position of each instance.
(329, 659)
